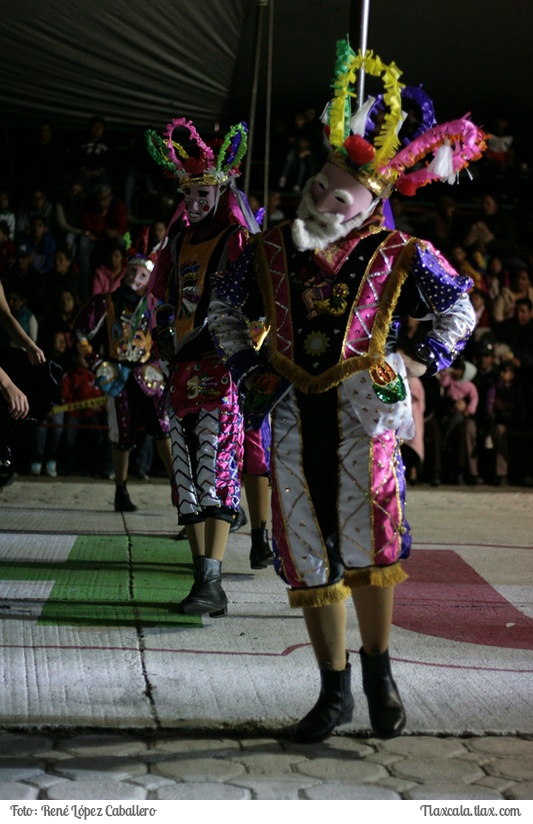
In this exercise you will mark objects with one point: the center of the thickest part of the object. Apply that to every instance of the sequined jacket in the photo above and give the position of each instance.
(334, 315)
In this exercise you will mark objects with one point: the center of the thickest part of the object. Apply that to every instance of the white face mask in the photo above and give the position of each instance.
(136, 277)
(199, 202)
(314, 229)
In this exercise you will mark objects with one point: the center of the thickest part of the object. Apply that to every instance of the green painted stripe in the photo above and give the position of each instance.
(113, 579)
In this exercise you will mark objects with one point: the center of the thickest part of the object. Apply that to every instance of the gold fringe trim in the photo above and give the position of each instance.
(336, 374)
(375, 576)
(319, 596)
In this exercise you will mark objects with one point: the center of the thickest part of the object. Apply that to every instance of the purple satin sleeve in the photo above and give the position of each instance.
(452, 313)
(387, 214)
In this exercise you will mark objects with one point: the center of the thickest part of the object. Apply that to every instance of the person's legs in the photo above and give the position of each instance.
(326, 627)
(257, 489)
(120, 468)
(208, 543)
(373, 605)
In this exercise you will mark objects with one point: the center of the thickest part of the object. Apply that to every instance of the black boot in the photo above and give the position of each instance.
(122, 500)
(240, 520)
(206, 595)
(334, 707)
(387, 715)
(260, 553)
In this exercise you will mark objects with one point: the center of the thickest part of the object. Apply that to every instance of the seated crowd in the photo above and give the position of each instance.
(63, 230)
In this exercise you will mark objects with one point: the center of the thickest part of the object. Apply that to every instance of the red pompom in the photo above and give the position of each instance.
(195, 165)
(359, 150)
(406, 187)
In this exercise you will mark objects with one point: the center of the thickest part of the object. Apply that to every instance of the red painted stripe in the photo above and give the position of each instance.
(227, 653)
(446, 598)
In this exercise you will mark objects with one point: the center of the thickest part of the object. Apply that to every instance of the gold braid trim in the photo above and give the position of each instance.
(375, 576)
(336, 374)
(318, 596)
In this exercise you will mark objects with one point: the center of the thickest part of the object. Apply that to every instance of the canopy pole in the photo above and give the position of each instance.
(261, 4)
(268, 114)
(359, 34)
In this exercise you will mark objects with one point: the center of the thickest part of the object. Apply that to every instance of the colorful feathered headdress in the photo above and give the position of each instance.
(204, 166)
(139, 252)
(378, 160)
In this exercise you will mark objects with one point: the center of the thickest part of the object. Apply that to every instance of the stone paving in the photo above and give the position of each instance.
(110, 766)
(75, 761)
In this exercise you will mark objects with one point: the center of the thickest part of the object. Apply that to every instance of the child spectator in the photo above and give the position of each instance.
(458, 422)
(60, 318)
(16, 298)
(85, 437)
(507, 411)
(48, 434)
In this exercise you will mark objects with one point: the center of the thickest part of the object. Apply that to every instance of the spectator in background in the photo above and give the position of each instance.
(65, 275)
(86, 443)
(493, 232)
(69, 216)
(299, 165)
(139, 189)
(108, 276)
(506, 411)
(17, 300)
(22, 275)
(105, 218)
(44, 164)
(38, 206)
(42, 245)
(458, 422)
(60, 318)
(8, 249)
(158, 230)
(96, 156)
(440, 225)
(48, 434)
(460, 260)
(503, 308)
(6, 213)
(496, 277)
(413, 450)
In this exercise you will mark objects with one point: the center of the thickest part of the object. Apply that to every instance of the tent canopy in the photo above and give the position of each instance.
(140, 63)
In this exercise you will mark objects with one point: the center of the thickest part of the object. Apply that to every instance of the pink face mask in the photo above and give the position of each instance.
(199, 202)
(136, 277)
(336, 192)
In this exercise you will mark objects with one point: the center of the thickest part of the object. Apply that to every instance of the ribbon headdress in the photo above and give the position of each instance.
(202, 167)
(378, 160)
(205, 165)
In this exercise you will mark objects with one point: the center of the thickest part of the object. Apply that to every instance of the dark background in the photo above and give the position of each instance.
(138, 62)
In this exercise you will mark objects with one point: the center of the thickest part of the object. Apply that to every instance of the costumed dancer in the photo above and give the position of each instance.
(29, 386)
(114, 332)
(205, 237)
(333, 285)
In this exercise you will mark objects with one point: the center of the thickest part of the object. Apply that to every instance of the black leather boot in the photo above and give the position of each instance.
(240, 520)
(206, 595)
(387, 714)
(123, 501)
(260, 553)
(334, 707)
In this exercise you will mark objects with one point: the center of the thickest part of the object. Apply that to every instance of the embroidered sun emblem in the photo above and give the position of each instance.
(316, 343)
